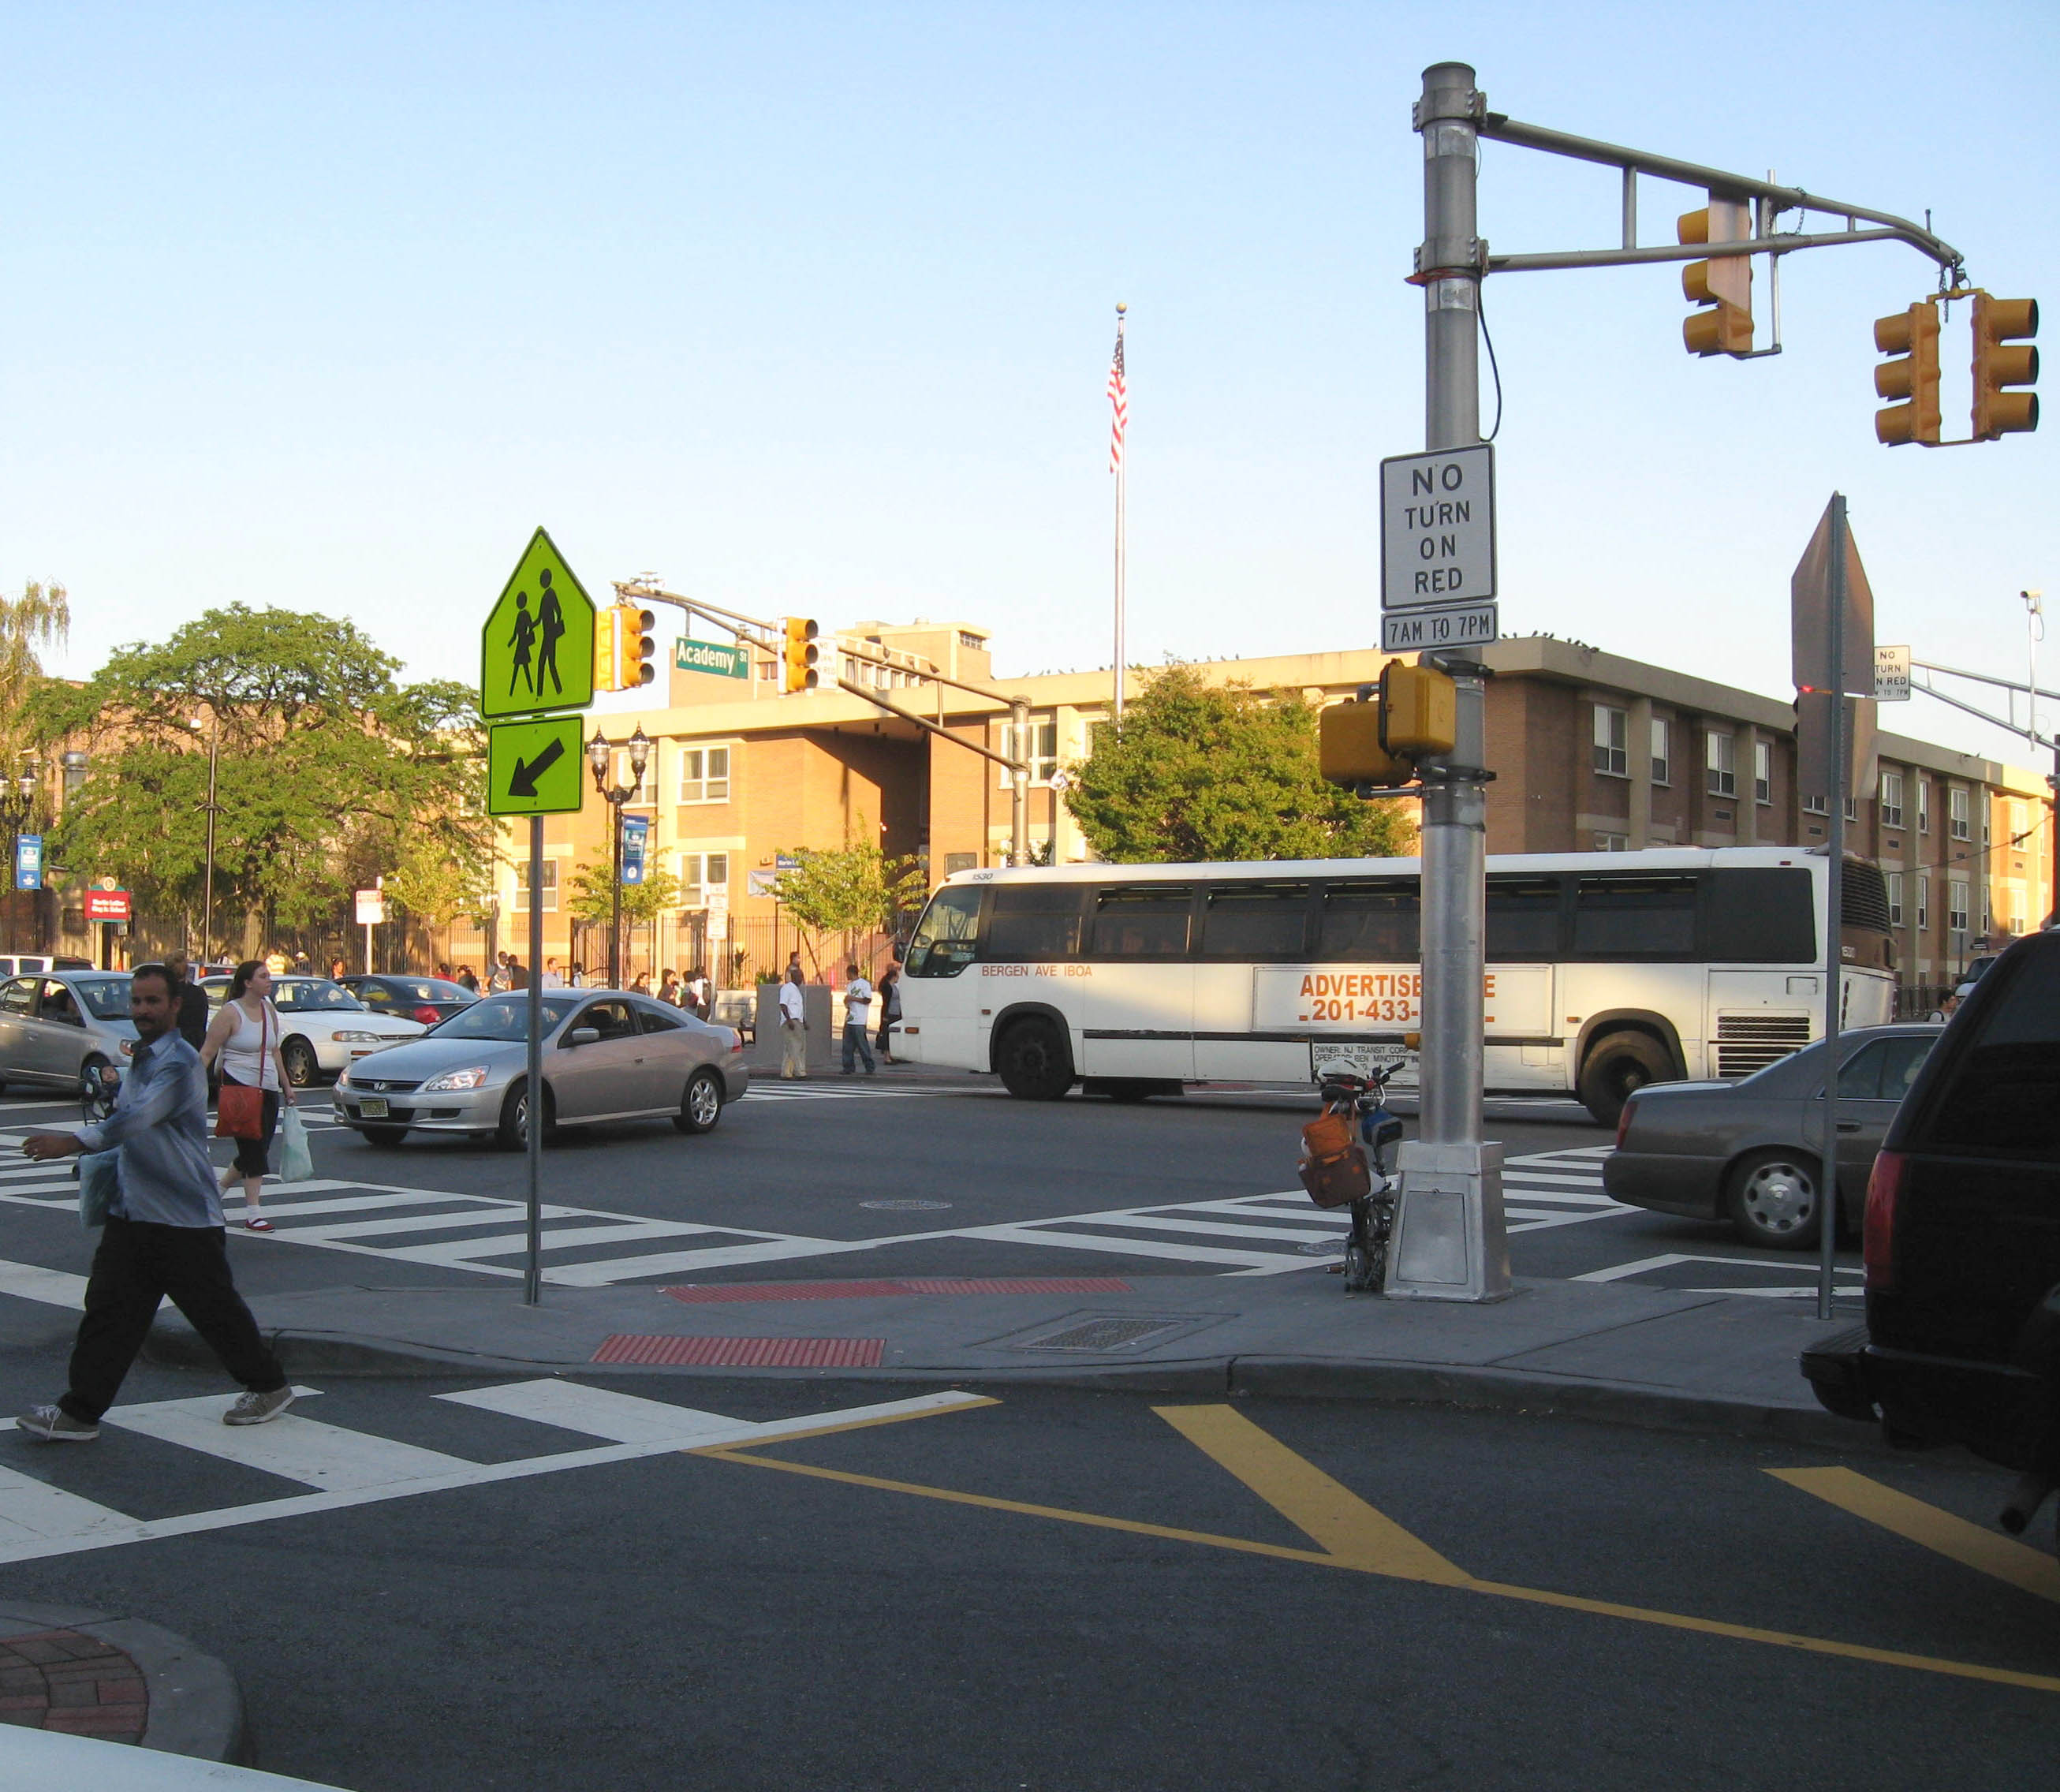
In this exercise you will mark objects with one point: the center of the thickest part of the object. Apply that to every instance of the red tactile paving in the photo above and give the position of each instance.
(69, 1680)
(695, 1293)
(743, 1353)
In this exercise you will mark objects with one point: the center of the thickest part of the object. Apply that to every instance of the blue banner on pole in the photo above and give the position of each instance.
(28, 861)
(635, 832)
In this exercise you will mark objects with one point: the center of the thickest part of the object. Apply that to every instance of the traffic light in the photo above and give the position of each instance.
(634, 648)
(606, 677)
(798, 654)
(1724, 283)
(1375, 743)
(1997, 363)
(1913, 336)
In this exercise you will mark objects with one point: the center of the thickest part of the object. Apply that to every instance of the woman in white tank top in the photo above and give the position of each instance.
(244, 1038)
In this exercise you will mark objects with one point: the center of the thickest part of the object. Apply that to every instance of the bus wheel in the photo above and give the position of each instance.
(1617, 1066)
(1034, 1061)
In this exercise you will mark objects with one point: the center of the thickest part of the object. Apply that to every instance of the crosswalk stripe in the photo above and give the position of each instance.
(54, 1287)
(714, 1256)
(571, 1406)
(326, 1457)
(32, 1512)
(1135, 1247)
(1214, 1228)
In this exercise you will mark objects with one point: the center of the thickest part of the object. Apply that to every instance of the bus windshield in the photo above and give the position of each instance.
(945, 936)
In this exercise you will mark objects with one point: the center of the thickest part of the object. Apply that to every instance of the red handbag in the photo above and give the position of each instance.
(239, 1108)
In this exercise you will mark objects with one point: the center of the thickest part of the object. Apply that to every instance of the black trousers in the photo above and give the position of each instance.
(137, 1265)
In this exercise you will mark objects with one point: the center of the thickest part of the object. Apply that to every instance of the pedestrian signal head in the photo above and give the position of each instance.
(1419, 711)
(1349, 752)
(2000, 325)
(1724, 283)
(1911, 337)
(799, 654)
(606, 627)
(633, 628)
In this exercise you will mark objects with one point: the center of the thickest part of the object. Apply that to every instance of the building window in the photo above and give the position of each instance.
(1852, 808)
(1762, 771)
(1956, 905)
(1719, 749)
(1041, 749)
(1612, 734)
(1957, 813)
(1612, 843)
(548, 888)
(1894, 881)
(1816, 805)
(701, 872)
(1891, 799)
(1924, 805)
(704, 775)
(1662, 770)
(2017, 912)
(1923, 902)
(1988, 911)
(954, 862)
(975, 642)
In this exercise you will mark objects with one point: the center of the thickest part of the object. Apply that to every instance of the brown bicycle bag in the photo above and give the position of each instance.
(1334, 1168)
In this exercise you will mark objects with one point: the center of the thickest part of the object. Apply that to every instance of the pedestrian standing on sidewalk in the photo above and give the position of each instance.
(466, 979)
(857, 1011)
(163, 1234)
(793, 1027)
(189, 1001)
(245, 1039)
(668, 988)
(890, 1011)
(696, 988)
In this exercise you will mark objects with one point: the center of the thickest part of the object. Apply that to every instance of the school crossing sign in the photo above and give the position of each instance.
(536, 651)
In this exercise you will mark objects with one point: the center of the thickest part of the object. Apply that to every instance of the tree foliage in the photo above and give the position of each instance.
(592, 895)
(330, 773)
(1197, 771)
(854, 888)
(40, 617)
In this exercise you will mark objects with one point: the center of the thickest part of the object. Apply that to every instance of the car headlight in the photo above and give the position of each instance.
(470, 1078)
(355, 1039)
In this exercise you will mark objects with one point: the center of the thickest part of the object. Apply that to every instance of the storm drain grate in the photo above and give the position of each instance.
(1100, 1335)
(696, 1294)
(743, 1353)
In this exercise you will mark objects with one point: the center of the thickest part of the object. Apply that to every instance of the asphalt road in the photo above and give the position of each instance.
(895, 1177)
(1062, 1592)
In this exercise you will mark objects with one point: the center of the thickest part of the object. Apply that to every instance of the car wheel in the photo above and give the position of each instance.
(302, 1068)
(513, 1130)
(701, 1106)
(1618, 1065)
(1775, 1200)
(1034, 1061)
(385, 1137)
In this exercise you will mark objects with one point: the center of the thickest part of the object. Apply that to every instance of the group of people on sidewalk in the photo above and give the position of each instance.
(859, 996)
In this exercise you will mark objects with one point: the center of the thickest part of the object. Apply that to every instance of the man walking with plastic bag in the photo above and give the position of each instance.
(164, 1233)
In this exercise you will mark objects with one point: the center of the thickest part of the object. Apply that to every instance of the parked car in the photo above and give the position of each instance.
(324, 1027)
(1751, 1151)
(1976, 969)
(20, 963)
(608, 1056)
(1963, 1231)
(56, 1027)
(428, 999)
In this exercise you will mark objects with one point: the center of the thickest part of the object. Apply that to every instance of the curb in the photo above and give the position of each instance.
(1456, 1385)
(195, 1707)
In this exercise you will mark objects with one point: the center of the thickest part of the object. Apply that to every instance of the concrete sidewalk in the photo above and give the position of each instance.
(1648, 1356)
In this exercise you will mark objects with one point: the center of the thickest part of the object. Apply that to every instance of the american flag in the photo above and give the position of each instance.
(1119, 406)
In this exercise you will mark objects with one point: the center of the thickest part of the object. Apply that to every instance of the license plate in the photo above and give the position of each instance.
(1361, 1061)
(372, 1107)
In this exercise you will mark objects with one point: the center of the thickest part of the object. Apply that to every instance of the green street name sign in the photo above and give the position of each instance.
(536, 650)
(536, 768)
(706, 656)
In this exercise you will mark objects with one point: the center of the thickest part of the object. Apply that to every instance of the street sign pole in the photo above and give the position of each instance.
(1450, 1242)
(532, 1138)
(1834, 895)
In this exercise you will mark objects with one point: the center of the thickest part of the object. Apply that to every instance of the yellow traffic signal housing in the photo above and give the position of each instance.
(1913, 335)
(1349, 752)
(1724, 282)
(1419, 711)
(633, 628)
(606, 674)
(798, 655)
(1999, 362)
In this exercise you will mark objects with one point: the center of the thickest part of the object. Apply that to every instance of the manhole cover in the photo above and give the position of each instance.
(1100, 1335)
(906, 1206)
(1322, 1247)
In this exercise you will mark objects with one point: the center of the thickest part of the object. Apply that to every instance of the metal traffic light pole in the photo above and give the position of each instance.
(1451, 1243)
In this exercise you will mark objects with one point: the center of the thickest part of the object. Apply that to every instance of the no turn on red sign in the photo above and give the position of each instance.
(1437, 549)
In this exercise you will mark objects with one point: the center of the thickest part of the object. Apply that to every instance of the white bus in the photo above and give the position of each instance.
(1605, 971)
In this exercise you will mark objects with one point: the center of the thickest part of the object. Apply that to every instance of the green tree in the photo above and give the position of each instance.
(592, 894)
(1197, 771)
(39, 617)
(331, 771)
(851, 888)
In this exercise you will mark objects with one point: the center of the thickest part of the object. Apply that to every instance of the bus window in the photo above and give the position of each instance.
(1634, 918)
(943, 943)
(1030, 922)
(1369, 924)
(1761, 916)
(1264, 923)
(1524, 919)
(1146, 920)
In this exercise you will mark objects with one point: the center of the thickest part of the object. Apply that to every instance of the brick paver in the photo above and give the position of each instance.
(69, 1680)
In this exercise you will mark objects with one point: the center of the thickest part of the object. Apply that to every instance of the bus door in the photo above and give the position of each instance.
(1247, 926)
(1137, 1003)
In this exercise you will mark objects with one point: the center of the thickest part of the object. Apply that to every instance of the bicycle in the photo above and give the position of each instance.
(96, 1091)
(1365, 1265)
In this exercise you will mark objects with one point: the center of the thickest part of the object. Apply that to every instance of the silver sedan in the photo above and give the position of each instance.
(608, 1056)
(56, 1027)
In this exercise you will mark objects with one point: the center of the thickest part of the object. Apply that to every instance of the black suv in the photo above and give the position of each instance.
(1963, 1230)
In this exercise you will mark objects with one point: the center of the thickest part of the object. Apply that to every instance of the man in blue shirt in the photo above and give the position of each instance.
(164, 1234)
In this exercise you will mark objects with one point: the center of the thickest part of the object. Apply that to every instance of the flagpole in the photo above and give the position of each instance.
(1120, 477)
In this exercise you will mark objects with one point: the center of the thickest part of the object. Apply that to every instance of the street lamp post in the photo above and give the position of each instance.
(207, 896)
(17, 804)
(600, 752)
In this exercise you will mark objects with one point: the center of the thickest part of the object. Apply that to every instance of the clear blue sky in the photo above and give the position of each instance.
(809, 308)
